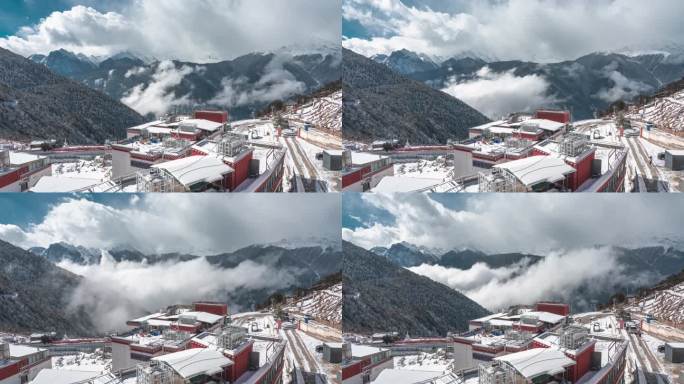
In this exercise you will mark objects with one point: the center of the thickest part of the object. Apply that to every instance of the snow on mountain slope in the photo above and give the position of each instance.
(665, 304)
(325, 304)
(323, 112)
(665, 112)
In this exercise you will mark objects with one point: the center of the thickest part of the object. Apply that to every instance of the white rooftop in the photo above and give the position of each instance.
(390, 184)
(547, 125)
(363, 350)
(361, 158)
(195, 169)
(675, 152)
(537, 169)
(147, 317)
(63, 376)
(22, 350)
(546, 317)
(18, 158)
(492, 316)
(538, 361)
(404, 376)
(63, 184)
(205, 125)
(195, 362)
(204, 317)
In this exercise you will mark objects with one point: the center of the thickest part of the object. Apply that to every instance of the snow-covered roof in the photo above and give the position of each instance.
(195, 169)
(538, 169)
(676, 345)
(363, 350)
(22, 350)
(547, 125)
(538, 361)
(158, 323)
(62, 376)
(147, 125)
(489, 125)
(147, 317)
(546, 317)
(63, 184)
(333, 152)
(401, 376)
(205, 125)
(675, 152)
(390, 184)
(196, 361)
(204, 317)
(18, 158)
(361, 158)
(500, 323)
(489, 317)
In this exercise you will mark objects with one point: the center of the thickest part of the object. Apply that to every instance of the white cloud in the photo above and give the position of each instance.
(197, 224)
(198, 30)
(519, 223)
(623, 88)
(497, 94)
(158, 96)
(276, 83)
(112, 292)
(555, 277)
(536, 30)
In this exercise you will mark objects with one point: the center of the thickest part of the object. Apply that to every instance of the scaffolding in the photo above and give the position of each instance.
(156, 372)
(230, 145)
(573, 145)
(231, 337)
(498, 373)
(573, 337)
(157, 180)
(4, 158)
(499, 180)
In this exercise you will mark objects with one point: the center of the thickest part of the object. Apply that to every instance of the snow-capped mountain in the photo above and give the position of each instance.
(244, 85)
(406, 62)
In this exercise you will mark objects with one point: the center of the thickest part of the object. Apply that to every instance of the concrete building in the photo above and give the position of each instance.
(363, 171)
(674, 352)
(674, 160)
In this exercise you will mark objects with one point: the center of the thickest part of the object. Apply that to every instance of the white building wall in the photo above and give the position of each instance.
(463, 164)
(463, 356)
(33, 179)
(33, 371)
(375, 179)
(121, 357)
(14, 187)
(121, 164)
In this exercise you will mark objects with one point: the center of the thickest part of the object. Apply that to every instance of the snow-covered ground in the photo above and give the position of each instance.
(97, 361)
(321, 305)
(84, 169)
(438, 361)
(324, 112)
(430, 169)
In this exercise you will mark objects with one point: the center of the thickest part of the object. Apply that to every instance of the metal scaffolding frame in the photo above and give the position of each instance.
(573, 145)
(230, 145)
(499, 180)
(497, 372)
(573, 337)
(157, 180)
(155, 372)
(231, 336)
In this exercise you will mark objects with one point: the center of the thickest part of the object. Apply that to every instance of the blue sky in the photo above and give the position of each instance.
(535, 30)
(28, 208)
(497, 223)
(15, 14)
(151, 27)
(162, 223)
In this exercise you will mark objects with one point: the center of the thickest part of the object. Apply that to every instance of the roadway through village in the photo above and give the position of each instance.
(305, 170)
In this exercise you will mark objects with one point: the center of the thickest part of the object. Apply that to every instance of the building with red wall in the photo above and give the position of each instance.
(215, 116)
(562, 309)
(554, 115)
(220, 309)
